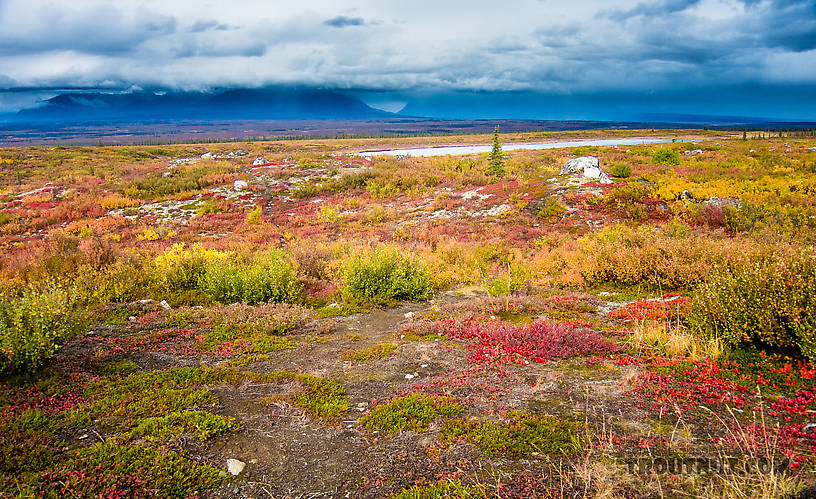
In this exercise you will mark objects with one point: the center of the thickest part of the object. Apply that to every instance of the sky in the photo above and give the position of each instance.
(425, 55)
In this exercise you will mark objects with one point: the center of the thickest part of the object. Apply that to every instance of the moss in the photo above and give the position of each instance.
(343, 310)
(108, 467)
(116, 368)
(411, 412)
(412, 336)
(200, 424)
(322, 398)
(33, 420)
(523, 435)
(380, 351)
(442, 490)
(240, 341)
(27, 451)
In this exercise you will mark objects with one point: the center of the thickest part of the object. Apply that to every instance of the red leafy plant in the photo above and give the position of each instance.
(498, 342)
(670, 307)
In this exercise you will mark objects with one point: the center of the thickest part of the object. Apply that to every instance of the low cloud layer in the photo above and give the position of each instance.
(548, 46)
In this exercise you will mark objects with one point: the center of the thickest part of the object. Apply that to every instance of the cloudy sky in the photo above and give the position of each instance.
(396, 52)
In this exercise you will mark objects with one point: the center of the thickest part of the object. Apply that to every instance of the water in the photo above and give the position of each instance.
(475, 149)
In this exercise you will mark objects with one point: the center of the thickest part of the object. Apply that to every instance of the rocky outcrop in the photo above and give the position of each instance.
(587, 167)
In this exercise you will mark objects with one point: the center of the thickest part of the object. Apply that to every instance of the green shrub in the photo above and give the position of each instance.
(182, 269)
(770, 302)
(207, 207)
(667, 157)
(267, 278)
(123, 281)
(222, 277)
(522, 436)
(384, 276)
(553, 209)
(34, 325)
(517, 276)
(621, 170)
(411, 412)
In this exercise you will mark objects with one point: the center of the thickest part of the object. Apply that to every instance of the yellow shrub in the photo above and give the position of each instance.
(115, 202)
(328, 215)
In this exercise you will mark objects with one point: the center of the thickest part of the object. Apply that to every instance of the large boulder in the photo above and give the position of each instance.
(588, 167)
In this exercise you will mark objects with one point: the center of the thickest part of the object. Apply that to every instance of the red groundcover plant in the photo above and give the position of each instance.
(503, 343)
(670, 307)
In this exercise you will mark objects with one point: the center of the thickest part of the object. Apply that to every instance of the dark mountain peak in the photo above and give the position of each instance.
(236, 104)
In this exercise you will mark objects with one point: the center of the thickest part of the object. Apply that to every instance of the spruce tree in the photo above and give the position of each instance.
(496, 157)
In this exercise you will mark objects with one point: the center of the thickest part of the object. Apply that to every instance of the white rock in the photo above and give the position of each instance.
(239, 185)
(693, 152)
(165, 305)
(580, 165)
(409, 376)
(207, 155)
(235, 467)
(260, 160)
(588, 167)
(409, 315)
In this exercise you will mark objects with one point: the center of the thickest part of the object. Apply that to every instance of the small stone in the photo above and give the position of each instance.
(165, 305)
(131, 319)
(409, 315)
(409, 376)
(239, 185)
(235, 467)
(423, 366)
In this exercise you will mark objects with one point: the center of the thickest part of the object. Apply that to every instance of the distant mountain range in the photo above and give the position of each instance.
(87, 106)
(242, 104)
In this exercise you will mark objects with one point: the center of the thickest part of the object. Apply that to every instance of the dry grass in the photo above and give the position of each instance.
(671, 340)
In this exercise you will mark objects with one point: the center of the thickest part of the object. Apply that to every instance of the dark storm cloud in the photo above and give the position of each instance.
(201, 26)
(478, 45)
(789, 25)
(343, 21)
(651, 9)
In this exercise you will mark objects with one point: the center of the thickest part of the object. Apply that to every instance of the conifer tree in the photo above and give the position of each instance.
(496, 157)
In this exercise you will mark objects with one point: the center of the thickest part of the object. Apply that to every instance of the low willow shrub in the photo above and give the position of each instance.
(384, 276)
(768, 302)
(266, 278)
(225, 277)
(34, 324)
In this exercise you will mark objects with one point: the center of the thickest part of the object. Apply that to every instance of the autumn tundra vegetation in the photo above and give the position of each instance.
(292, 319)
